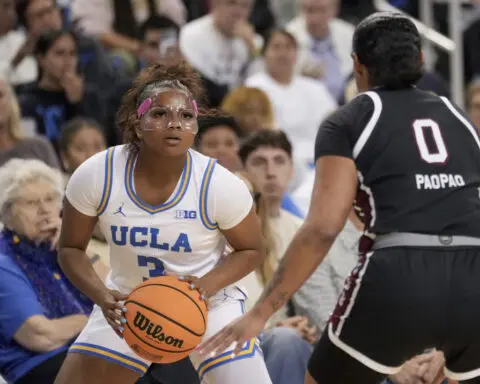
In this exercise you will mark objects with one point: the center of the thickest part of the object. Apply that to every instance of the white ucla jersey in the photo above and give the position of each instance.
(180, 236)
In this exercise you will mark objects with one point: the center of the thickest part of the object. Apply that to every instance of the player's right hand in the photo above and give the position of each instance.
(113, 310)
(237, 333)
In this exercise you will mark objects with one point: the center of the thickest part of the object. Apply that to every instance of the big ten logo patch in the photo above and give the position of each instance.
(186, 215)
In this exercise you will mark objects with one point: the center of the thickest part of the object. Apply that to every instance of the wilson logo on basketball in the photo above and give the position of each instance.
(153, 330)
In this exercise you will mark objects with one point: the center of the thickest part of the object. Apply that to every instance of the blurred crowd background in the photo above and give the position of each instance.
(275, 68)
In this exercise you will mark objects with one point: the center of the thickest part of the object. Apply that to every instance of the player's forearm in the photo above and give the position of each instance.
(232, 269)
(306, 251)
(78, 268)
(117, 41)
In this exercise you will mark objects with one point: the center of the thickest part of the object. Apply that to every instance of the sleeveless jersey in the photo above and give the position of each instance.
(418, 161)
(177, 237)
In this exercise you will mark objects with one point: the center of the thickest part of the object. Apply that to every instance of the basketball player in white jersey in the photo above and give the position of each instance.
(163, 208)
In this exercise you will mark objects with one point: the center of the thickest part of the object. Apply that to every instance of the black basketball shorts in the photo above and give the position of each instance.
(396, 303)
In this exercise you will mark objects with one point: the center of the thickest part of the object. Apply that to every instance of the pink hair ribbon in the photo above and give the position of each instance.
(144, 107)
(195, 107)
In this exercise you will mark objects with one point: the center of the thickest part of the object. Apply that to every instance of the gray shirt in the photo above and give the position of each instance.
(32, 148)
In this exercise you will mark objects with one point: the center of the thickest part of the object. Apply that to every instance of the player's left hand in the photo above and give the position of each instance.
(431, 367)
(199, 284)
(237, 333)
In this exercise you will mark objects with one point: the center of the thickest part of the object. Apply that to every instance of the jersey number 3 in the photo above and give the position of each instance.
(154, 265)
(422, 128)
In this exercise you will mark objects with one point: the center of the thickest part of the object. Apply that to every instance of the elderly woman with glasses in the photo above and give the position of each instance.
(41, 311)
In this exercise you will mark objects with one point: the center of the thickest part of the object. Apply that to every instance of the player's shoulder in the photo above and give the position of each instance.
(197, 28)
(104, 159)
(361, 107)
(209, 170)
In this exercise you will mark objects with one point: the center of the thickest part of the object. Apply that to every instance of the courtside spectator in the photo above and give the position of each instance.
(39, 16)
(41, 311)
(11, 41)
(116, 23)
(251, 107)
(325, 43)
(219, 137)
(220, 45)
(60, 94)
(13, 141)
(300, 103)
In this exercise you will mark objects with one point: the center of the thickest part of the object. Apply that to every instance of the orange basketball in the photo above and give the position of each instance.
(166, 320)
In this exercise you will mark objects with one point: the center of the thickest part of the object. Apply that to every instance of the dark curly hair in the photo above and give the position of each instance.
(172, 74)
(389, 46)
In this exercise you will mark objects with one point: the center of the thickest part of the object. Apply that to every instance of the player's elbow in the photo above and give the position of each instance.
(323, 231)
(258, 256)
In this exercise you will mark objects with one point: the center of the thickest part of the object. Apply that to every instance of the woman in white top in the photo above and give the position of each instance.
(300, 104)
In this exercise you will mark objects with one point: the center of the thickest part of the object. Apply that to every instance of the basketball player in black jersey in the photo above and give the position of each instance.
(412, 161)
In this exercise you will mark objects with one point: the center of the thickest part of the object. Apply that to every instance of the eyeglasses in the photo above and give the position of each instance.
(171, 117)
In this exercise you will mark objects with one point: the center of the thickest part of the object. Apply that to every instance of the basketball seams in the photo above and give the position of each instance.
(178, 290)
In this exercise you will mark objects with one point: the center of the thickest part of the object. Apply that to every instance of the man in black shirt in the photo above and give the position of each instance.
(411, 161)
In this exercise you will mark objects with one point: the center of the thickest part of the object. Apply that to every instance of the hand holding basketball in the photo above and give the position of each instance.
(199, 285)
(113, 309)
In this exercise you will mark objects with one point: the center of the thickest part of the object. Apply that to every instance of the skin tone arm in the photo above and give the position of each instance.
(39, 334)
(116, 41)
(333, 195)
(249, 253)
(75, 235)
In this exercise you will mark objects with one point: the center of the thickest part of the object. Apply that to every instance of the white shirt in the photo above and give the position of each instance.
(299, 109)
(341, 33)
(26, 71)
(216, 56)
(96, 16)
(181, 236)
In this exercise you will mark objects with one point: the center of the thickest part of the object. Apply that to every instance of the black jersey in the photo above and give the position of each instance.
(418, 161)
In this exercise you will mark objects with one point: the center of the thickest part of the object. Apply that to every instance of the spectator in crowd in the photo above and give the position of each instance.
(286, 343)
(325, 43)
(267, 159)
(39, 16)
(473, 103)
(13, 144)
(41, 311)
(220, 45)
(219, 137)
(251, 107)
(116, 23)
(159, 41)
(80, 139)
(60, 94)
(11, 41)
(300, 104)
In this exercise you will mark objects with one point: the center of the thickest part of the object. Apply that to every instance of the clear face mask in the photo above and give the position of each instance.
(165, 117)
